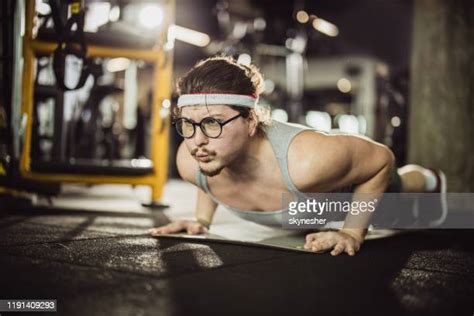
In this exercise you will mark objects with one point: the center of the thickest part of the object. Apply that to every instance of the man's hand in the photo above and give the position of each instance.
(338, 241)
(190, 227)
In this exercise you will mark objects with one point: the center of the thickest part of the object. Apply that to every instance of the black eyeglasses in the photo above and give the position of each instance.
(210, 126)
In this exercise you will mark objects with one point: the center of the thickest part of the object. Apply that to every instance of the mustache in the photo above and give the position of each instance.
(204, 150)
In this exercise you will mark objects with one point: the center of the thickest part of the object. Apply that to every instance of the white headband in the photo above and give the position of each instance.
(215, 99)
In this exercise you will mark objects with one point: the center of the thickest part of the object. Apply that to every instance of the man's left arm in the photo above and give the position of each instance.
(365, 164)
(369, 191)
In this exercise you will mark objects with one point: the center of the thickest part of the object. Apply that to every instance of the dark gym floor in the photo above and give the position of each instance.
(100, 262)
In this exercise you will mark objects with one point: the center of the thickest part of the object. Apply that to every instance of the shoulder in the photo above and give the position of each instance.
(323, 162)
(310, 144)
(186, 164)
(318, 160)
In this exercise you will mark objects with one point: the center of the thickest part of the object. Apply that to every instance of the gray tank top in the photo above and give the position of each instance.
(280, 136)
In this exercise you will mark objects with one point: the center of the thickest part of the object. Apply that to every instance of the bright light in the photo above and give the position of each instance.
(325, 27)
(280, 115)
(244, 59)
(320, 121)
(114, 14)
(362, 124)
(239, 30)
(259, 24)
(151, 16)
(188, 35)
(302, 16)
(348, 124)
(97, 15)
(297, 44)
(42, 8)
(166, 103)
(118, 64)
(269, 86)
(144, 163)
(344, 85)
(395, 121)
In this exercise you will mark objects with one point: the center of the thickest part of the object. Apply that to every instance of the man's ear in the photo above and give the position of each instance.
(253, 123)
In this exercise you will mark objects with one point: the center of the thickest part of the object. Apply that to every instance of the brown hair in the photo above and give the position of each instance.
(222, 74)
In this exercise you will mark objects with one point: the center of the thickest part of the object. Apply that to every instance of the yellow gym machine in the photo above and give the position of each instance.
(154, 174)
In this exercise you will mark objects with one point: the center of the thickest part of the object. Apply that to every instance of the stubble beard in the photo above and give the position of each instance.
(211, 169)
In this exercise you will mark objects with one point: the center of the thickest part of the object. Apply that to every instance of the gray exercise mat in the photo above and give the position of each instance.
(247, 233)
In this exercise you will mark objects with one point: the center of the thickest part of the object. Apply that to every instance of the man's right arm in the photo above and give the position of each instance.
(205, 206)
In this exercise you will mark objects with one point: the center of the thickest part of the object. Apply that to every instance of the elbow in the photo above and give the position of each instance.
(381, 180)
(386, 163)
(389, 159)
(388, 167)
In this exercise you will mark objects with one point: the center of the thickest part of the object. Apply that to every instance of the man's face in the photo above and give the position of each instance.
(214, 154)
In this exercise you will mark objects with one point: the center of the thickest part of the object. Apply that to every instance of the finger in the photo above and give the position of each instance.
(318, 249)
(350, 250)
(308, 244)
(316, 243)
(338, 249)
(319, 245)
(177, 226)
(155, 231)
(171, 228)
(309, 241)
(321, 242)
(194, 229)
(328, 243)
(311, 237)
(164, 230)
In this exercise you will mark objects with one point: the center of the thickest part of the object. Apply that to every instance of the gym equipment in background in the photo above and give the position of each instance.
(68, 152)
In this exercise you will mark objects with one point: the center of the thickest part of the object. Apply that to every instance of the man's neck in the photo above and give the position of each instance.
(250, 164)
